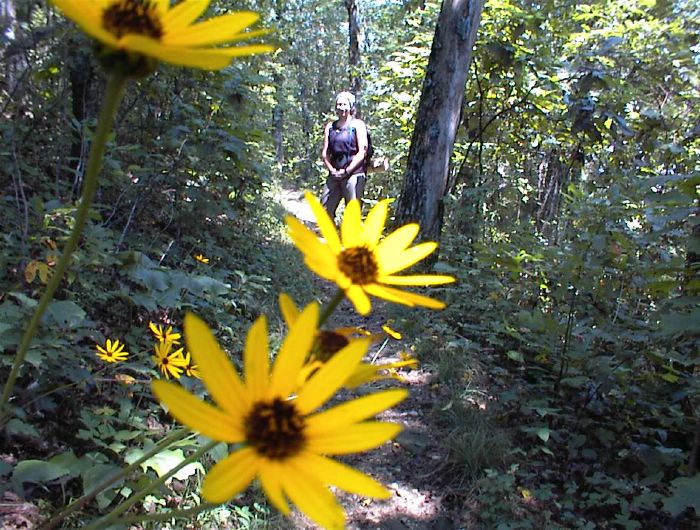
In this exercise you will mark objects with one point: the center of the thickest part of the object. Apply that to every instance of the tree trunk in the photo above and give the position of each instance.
(80, 75)
(278, 121)
(438, 116)
(354, 51)
(278, 110)
(8, 26)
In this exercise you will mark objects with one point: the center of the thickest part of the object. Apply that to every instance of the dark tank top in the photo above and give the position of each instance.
(342, 146)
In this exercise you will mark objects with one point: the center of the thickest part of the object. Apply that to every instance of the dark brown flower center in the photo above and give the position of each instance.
(275, 429)
(327, 344)
(138, 17)
(164, 361)
(359, 264)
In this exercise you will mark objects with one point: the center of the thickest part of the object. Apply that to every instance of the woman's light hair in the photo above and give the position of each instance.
(350, 97)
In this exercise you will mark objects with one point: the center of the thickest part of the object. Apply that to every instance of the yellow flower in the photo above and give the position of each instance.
(113, 351)
(283, 437)
(164, 335)
(328, 343)
(155, 30)
(358, 262)
(201, 258)
(191, 369)
(170, 364)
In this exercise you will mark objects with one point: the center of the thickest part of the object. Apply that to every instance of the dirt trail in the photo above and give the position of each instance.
(408, 466)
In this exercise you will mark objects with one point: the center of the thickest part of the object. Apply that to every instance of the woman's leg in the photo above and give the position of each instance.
(331, 195)
(353, 187)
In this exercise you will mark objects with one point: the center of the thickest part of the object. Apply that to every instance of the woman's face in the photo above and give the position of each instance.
(342, 106)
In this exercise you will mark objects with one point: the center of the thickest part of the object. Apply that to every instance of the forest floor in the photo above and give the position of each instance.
(412, 465)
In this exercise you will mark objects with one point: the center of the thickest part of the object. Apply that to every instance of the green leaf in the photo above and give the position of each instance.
(515, 356)
(685, 494)
(543, 433)
(94, 476)
(37, 471)
(64, 314)
(16, 426)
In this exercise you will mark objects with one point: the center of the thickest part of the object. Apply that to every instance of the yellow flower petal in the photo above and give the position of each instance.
(161, 5)
(313, 498)
(418, 279)
(404, 297)
(256, 359)
(230, 476)
(217, 30)
(358, 409)
(352, 234)
(196, 414)
(341, 476)
(316, 254)
(271, 482)
(331, 376)
(375, 222)
(325, 224)
(404, 259)
(290, 313)
(294, 351)
(216, 370)
(396, 242)
(359, 299)
(184, 13)
(354, 439)
(205, 59)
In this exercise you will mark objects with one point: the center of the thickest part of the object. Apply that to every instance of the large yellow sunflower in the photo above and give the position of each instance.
(358, 262)
(329, 342)
(152, 28)
(282, 435)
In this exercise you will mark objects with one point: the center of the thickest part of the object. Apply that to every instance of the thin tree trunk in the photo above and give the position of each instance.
(354, 51)
(438, 116)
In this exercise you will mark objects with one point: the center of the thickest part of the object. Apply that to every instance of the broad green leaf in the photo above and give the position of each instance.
(94, 476)
(685, 494)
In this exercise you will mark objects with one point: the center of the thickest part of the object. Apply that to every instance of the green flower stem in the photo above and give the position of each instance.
(113, 516)
(113, 95)
(167, 516)
(82, 501)
(330, 306)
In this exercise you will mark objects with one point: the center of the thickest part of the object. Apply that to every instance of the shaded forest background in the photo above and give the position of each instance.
(570, 220)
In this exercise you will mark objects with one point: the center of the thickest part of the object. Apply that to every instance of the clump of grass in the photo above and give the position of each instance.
(466, 413)
(474, 442)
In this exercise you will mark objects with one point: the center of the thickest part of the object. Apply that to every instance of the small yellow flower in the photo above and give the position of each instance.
(328, 343)
(191, 369)
(113, 351)
(281, 438)
(155, 30)
(170, 364)
(201, 258)
(164, 334)
(358, 262)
